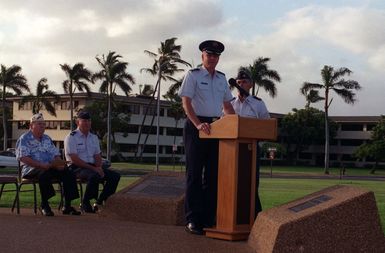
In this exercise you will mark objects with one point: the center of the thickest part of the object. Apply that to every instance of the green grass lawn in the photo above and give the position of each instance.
(319, 171)
(131, 167)
(273, 192)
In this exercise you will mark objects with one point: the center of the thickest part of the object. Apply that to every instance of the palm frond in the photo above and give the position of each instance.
(346, 95)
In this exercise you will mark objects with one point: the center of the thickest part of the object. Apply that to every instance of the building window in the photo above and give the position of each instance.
(352, 127)
(172, 114)
(172, 131)
(27, 106)
(65, 125)
(134, 129)
(65, 105)
(333, 142)
(134, 109)
(23, 125)
(51, 124)
(131, 148)
(151, 130)
(369, 127)
(351, 142)
(152, 111)
(150, 149)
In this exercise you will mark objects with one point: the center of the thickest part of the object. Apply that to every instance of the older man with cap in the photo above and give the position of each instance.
(250, 106)
(41, 159)
(82, 150)
(204, 95)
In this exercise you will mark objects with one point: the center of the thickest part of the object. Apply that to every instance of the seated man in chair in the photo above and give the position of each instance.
(40, 159)
(83, 151)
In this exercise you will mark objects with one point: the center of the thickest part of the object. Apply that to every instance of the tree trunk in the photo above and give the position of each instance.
(158, 116)
(5, 134)
(141, 126)
(173, 153)
(326, 168)
(109, 127)
(71, 108)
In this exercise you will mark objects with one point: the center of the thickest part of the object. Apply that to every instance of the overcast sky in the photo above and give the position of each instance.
(300, 37)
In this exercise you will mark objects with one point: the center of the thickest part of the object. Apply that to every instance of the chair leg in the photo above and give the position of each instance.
(81, 192)
(1, 191)
(34, 199)
(16, 201)
(61, 204)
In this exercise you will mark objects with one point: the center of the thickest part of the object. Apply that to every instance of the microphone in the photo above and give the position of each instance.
(243, 92)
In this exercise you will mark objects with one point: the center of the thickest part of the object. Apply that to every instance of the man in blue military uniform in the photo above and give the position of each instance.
(254, 107)
(204, 95)
(82, 149)
(41, 159)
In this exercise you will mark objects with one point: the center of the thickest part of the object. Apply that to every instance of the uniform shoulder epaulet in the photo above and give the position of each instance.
(195, 69)
(220, 73)
(257, 98)
(73, 133)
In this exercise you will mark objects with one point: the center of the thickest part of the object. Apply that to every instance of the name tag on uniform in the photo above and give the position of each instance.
(204, 83)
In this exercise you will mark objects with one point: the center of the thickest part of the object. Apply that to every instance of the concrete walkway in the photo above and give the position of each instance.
(93, 233)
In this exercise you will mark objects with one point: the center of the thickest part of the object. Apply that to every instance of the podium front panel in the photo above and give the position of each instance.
(245, 161)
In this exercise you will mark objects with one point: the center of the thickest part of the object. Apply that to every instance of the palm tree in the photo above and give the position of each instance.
(113, 74)
(165, 66)
(77, 78)
(262, 76)
(333, 81)
(147, 91)
(10, 78)
(43, 98)
(312, 96)
(176, 109)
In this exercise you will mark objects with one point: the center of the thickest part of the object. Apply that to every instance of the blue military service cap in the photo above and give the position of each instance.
(243, 75)
(83, 115)
(212, 47)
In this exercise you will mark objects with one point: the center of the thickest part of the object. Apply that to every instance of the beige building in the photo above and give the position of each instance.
(58, 127)
(352, 131)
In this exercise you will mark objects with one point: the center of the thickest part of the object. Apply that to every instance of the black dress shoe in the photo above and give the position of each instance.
(70, 211)
(46, 211)
(86, 207)
(96, 207)
(193, 228)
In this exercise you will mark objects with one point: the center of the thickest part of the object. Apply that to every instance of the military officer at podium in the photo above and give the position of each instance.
(205, 94)
(250, 106)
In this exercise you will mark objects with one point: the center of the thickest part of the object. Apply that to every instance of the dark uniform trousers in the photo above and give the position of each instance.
(201, 175)
(47, 191)
(111, 181)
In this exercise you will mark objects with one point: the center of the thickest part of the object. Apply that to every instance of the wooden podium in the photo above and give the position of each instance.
(237, 173)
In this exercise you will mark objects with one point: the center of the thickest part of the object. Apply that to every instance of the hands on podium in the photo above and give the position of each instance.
(205, 127)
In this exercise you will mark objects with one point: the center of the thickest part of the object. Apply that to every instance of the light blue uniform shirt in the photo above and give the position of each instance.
(251, 107)
(207, 92)
(85, 146)
(39, 150)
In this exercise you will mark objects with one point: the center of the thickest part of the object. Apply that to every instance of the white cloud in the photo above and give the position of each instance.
(40, 35)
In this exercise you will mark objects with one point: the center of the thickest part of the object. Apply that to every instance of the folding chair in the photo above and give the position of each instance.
(82, 181)
(4, 180)
(33, 181)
